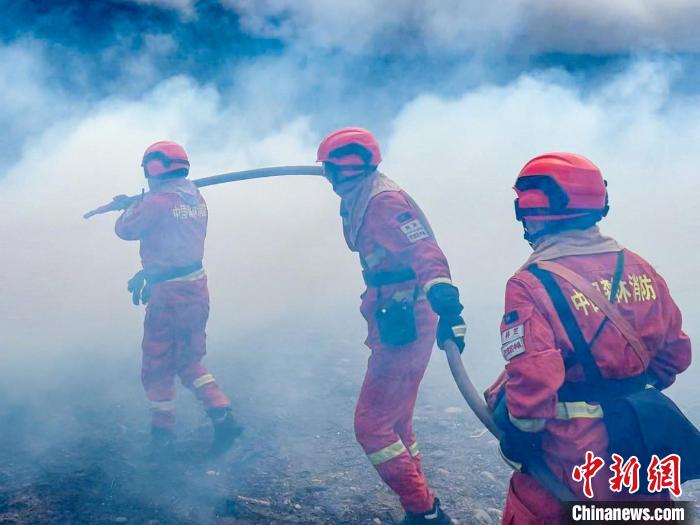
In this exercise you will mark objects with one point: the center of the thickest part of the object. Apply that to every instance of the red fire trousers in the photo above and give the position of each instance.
(384, 412)
(174, 343)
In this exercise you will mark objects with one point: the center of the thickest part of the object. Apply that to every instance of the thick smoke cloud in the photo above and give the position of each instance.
(275, 255)
(472, 26)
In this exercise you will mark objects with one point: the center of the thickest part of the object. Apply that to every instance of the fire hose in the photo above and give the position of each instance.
(233, 176)
(535, 467)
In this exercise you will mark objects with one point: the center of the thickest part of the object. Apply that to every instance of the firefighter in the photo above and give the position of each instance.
(170, 222)
(408, 287)
(564, 357)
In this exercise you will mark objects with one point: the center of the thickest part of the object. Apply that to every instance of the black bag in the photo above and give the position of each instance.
(640, 421)
(396, 320)
(646, 422)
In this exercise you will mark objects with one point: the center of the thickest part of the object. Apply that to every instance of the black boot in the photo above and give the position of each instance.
(435, 516)
(162, 446)
(226, 430)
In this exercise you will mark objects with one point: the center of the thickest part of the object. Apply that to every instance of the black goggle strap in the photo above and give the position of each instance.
(163, 158)
(351, 149)
(345, 151)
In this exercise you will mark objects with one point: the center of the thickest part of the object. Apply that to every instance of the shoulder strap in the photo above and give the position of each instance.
(568, 320)
(605, 306)
(614, 288)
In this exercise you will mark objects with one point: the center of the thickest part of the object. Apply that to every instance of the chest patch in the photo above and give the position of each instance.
(414, 231)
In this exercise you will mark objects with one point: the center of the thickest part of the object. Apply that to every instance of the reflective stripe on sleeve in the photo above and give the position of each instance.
(433, 282)
(578, 409)
(387, 453)
(203, 380)
(459, 331)
(413, 449)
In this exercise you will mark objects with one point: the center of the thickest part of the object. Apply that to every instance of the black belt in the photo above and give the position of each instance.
(172, 273)
(607, 389)
(376, 279)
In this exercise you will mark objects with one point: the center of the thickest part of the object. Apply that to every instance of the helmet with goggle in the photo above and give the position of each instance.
(349, 152)
(559, 187)
(165, 159)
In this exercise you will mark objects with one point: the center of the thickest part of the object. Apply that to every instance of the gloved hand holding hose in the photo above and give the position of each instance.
(536, 467)
(444, 299)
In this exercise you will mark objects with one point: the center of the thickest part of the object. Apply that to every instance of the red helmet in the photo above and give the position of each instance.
(559, 186)
(350, 150)
(165, 158)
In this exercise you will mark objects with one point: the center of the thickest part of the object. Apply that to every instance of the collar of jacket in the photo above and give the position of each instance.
(572, 242)
(181, 186)
(355, 201)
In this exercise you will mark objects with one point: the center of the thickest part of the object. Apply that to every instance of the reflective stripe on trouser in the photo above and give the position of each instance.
(391, 451)
(163, 413)
(174, 342)
(384, 413)
(204, 386)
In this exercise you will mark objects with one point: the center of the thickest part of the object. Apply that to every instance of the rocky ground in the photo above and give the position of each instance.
(77, 452)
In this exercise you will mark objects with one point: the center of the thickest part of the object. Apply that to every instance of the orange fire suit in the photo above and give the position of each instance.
(401, 260)
(542, 365)
(171, 226)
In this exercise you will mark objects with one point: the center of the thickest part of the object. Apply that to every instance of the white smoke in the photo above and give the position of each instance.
(530, 26)
(275, 254)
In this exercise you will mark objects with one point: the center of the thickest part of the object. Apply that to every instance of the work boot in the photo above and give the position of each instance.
(226, 430)
(435, 516)
(162, 446)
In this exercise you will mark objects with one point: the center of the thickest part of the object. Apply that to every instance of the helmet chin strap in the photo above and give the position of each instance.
(550, 227)
(532, 238)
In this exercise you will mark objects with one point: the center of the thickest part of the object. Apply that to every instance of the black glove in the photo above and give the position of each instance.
(452, 328)
(444, 299)
(138, 288)
(516, 445)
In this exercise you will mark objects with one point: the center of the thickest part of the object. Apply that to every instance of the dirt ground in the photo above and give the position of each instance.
(77, 452)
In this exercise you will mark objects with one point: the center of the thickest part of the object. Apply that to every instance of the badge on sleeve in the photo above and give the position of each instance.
(513, 330)
(513, 341)
(510, 317)
(414, 231)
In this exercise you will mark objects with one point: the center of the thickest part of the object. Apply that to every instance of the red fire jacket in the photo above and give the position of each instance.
(171, 228)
